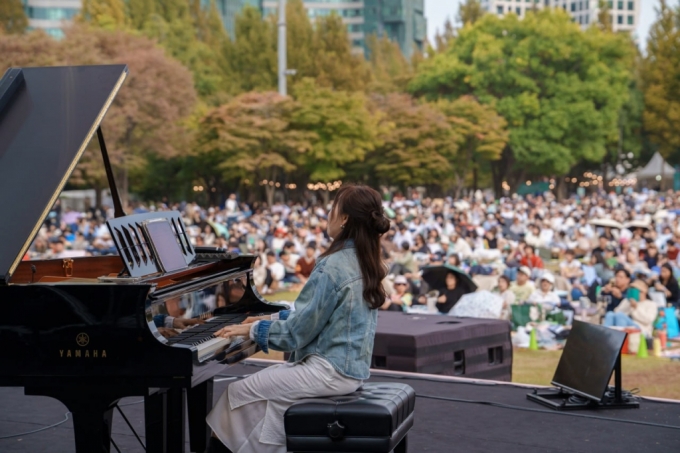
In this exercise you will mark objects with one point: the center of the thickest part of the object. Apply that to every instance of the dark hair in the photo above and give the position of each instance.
(506, 278)
(670, 269)
(366, 222)
(569, 252)
(625, 271)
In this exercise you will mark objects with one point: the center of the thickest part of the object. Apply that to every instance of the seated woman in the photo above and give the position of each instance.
(544, 294)
(402, 297)
(330, 333)
(631, 313)
(450, 295)
(507, 295)
(668, 285)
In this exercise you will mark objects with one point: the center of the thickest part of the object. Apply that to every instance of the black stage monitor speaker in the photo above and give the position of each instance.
(591, 355)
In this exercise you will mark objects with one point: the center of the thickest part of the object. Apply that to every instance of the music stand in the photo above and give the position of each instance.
(591, 355)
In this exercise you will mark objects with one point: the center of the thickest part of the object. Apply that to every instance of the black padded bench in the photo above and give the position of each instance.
(374, 419)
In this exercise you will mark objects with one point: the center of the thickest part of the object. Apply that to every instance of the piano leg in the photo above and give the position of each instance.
(176, 417)
(199, 403)
(155, 420)
(165, 421)
(92, 413)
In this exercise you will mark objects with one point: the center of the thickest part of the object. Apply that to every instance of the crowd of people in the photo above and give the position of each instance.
(622, 250)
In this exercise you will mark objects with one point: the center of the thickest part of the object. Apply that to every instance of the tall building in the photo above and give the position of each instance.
(403, 21)
(623, 14)
(50, 15)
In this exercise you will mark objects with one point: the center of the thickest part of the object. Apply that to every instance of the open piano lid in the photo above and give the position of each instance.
(45, 124)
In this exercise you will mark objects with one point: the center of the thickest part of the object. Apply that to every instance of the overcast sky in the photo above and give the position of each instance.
(436, 12)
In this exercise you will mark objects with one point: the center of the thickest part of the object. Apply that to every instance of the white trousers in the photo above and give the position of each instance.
(248, 417)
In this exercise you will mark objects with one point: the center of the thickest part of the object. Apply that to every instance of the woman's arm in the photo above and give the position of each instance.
(313, 308)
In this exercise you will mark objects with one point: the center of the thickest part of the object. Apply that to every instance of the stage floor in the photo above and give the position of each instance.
(440, 426)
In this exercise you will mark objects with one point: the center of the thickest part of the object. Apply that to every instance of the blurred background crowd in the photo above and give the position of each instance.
(618, 250)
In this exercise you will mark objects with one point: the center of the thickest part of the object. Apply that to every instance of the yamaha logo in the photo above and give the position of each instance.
(82, 339)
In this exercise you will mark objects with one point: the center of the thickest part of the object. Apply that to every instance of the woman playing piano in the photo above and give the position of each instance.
(330, 333)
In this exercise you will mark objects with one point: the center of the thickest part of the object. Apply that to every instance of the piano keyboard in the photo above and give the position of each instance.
(201, 336)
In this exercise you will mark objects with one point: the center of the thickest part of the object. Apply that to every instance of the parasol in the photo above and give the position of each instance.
(635, 224)
(435, 277)
(606, 223)
(482, 304)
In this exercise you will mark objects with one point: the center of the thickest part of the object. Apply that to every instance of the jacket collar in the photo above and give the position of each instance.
(349, 244)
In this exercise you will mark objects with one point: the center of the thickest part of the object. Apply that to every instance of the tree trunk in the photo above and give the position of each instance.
(561, 189)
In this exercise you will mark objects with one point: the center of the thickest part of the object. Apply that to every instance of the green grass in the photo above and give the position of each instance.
(653, 376)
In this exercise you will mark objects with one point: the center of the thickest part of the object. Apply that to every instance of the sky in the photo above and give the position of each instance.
(437, 11)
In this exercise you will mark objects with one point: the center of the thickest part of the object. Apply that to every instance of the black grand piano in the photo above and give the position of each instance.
(90, 330)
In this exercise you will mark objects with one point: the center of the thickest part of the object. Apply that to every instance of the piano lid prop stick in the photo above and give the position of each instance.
(117, 205)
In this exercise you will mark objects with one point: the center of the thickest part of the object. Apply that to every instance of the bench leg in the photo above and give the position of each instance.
(402, 446)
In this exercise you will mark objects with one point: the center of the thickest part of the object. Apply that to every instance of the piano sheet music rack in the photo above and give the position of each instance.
(140, 251)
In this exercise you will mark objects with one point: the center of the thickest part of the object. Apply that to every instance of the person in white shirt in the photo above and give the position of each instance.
(276, 269)
(460, 247)
(544, 294)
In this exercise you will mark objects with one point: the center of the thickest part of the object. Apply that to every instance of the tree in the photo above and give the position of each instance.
(390, 70)
(481, 132)
(416, 144)
(469, 12)
(341, 125)
(146, 117)
(336, 66)
(559, 88)
(251, 136)
(604, 17)
(661, 78)
(107, 14)
(13, 19)
(252, 56)
(441, 40)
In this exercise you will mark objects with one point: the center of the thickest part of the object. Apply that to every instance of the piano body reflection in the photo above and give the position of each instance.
(84, 330)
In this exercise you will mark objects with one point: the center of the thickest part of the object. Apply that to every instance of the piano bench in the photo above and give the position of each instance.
(374, 419)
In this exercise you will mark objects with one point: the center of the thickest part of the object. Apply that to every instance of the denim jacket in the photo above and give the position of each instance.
(331, 318)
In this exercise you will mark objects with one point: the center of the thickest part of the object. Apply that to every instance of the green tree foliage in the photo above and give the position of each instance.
(415, 143)
(559, 88)
(661, 77)
(252, 55)
(107, 14)
(469, 12)
(191, 34)
(341, 125)
(336, 66)
(482, 135)
(13, 19)
(442, 40)
(390, 70)
(299, 41)
(604, 17)
(251, 138)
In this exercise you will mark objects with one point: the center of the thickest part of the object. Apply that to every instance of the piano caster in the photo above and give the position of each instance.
(92, 413)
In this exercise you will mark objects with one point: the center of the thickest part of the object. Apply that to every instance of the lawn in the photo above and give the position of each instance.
(652, 376)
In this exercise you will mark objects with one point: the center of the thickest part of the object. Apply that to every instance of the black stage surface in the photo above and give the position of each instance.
(440, 426)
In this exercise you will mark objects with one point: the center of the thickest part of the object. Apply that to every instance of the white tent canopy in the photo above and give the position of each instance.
(657, 166)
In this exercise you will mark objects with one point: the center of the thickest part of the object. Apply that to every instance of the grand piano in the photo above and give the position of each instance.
(89, 331)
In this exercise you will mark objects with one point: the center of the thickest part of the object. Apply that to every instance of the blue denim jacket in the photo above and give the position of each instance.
(331, 318)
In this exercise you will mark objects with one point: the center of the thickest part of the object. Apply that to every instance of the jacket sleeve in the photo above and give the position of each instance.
(313, 308)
